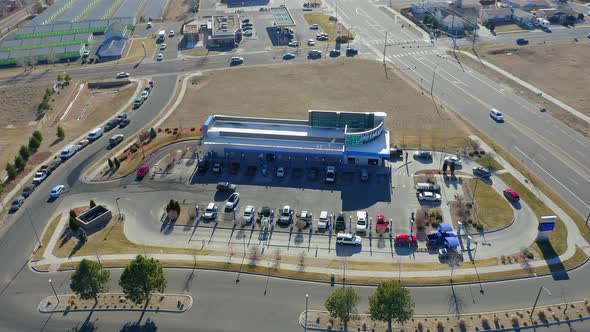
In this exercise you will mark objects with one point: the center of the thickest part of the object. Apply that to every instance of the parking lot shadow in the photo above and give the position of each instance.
(347, 251)
(556, 267)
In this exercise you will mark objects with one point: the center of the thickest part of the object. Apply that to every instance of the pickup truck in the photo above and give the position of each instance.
(438, 239)
(286, 215)
(226, 186)
(340, 224)
(381, 225)
(264, 213)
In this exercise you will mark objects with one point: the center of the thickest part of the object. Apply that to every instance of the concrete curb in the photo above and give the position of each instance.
(27, 177)
(178, 311)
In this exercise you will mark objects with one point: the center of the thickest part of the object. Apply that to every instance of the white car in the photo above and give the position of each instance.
(57, 190)
(311, 42)
(281, 172)
(145, 94)
(171, 33)
(163, 46)
(249, 213)
(160, 57)
(86, 54)
(361, 221)
(496, 115)
(455, 160)
(232, 201)
(210, 212)
(293, 43)
(149, 25)
(248, 33)
(429, 196)
(347, 238)
(314, 27)
(122, 74)
(39, 177)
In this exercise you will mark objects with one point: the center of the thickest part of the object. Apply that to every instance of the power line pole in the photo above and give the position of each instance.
(384, 47)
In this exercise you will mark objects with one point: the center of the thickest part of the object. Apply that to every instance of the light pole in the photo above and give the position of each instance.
(118, 208)
(34, 229)
(306, 305)
(537, 299)
(54, 292)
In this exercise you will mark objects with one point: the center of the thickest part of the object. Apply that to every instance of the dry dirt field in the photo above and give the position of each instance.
(18, 116)
(179, 10)
(289, 91)
(559, 69)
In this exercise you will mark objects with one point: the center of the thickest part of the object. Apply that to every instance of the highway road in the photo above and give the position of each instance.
(554, 152)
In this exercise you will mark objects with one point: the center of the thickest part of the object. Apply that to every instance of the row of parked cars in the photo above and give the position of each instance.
(144, 95)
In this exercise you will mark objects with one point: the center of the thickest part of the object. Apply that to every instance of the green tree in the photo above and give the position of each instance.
(11, 170)
(391, 302)
(60, 78)
(19, 163)
(343, 304)
(44, 105)
(67, 78)
(60, 132)
(74, 225)
(153, 133)
(37, 135)
(92, 204)
(24, 152)
(141, 278)
(89, 280)
(73, 214)
(34, 143)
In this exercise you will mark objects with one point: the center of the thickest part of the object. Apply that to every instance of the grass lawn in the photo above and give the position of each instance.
(325, 24)
(558, 239)
(493, 210)
(49, 230)
(111, 240)
(489, 162)
(136, 50)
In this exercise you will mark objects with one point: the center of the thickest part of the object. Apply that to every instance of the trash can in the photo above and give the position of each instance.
(332, 279)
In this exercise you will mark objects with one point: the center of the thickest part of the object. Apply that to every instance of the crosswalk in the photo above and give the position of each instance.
(417, 53)
(393, 42)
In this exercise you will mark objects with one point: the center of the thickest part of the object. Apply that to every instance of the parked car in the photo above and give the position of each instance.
(427, 186)
(334, 53)
(95, 134)
(496, 115)
(454, 160)
(210, 212)
(522, 41)
(281, 172)
(324, 221)
(361, 222)
(86, 54)
(288, 56)
(511, 195)
(482, 171)
(340, 223)
(163, 46)
(148, 25)
(16, 204)
(111, 124)
(286, 215)
(429, 196)
(232, 201)
(57, 191)
(142, 171)
(226, 186)
(29, 190)
(310, 42)
(351, 52)
(160, 57)
(236, 60)
(124, 123)
(306, 217)
(216, 168)
(265, 212)
(83, 143)
(314, 27)
(293, 43)
(145, 94)
(246, 20)
(248, 33)
(406, 240)
(249, 213)
(314, 54)
(171, 33)
(422, 155)
(330, 174)
(68, 151)
(122, 75)
(116, 139)
(381, 224)
(39, 177)
(348, 239)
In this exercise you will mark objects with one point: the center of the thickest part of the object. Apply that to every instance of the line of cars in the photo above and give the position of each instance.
(144, 95)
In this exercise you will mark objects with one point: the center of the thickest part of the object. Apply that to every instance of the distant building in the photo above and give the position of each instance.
(470, 9)
(505, 16)
(526, 3)
(114, 43)
(557, 15)
(223, 31)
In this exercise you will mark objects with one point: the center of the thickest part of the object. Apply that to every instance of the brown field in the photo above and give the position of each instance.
(179, 10)
(348, 85)
(18, 117)
(556, 68)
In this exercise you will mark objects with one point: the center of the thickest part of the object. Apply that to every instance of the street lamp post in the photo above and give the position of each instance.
(34, 229)
(537, 299)
(54, 292)
(306, 305)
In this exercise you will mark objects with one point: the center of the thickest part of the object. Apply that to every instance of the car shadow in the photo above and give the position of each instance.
(405, 250)
(347, 250)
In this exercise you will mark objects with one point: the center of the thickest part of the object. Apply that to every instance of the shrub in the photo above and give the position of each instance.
(515, 321)
(34, 143)
(60, 132)
(133, 149)
(462, 326)
(73, 224)
(92, 204)
(73, 214)
(19, 163)
(37, 135)
(159, 130)
(24, 152)
(11, 170)
(123, 158)
(193, 129)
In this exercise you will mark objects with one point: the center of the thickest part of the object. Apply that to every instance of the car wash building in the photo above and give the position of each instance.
(325, 138)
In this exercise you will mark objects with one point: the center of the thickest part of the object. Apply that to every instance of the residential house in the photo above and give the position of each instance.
(452, 24)
(496, 16)
(470, 9)
(557, 15)
(526, 3)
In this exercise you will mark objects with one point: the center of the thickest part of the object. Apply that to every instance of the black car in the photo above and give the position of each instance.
(203, 166)
(522, 41)
(124, 122)
(423, 155)
(226, 186)
(340, 222)
(351, 52)
(264, 212)
(16, 204)
(29, 190)
(334, 53)
(111, 125)
(482, 171)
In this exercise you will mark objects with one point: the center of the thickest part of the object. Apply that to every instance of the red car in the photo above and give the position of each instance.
(406, 240)
(381, 225)
(143, 171)
(511, 195)
(151, 83)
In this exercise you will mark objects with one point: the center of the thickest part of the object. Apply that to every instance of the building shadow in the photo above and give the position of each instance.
(556, 267)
